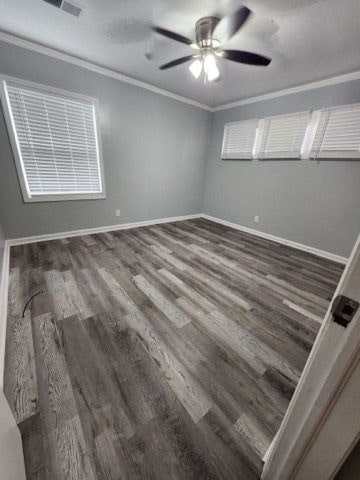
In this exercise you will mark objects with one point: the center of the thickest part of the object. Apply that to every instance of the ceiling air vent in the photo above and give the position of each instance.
(66, 6)
(56, 3)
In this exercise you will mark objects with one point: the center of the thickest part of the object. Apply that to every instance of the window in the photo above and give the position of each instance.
(282, 136)
(338, 133)
(328, 133)
(55, 141)
(239, 138)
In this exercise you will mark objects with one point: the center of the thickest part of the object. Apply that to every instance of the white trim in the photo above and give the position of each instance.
(89, 231)
(62, 197)
(274, 238)
(9, 120)
(347, 77)
(4, 287)
(48, 88)
(4, 275)
(270, 448)
(276, 122)
(258, 139)
(310, 133)
(93, 67)
(320, 150)
(230, 136)
(65, 57)
(323, 380)
(124, 226)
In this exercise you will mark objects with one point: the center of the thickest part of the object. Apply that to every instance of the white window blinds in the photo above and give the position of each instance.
(282, 136)
(238, 141)
(338, 133)
(56, 142)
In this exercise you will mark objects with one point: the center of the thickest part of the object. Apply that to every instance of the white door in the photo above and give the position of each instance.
(322, 423)
(11, 454)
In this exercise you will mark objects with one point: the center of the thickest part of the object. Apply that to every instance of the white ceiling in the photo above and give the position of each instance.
(308, 40)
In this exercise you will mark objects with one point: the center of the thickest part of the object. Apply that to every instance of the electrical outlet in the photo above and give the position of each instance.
(256, 219)
(117, 212)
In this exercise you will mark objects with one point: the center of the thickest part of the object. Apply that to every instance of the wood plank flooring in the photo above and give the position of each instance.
(161, 352)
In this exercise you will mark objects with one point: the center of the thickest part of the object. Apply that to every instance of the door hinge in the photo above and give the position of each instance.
(343, 309)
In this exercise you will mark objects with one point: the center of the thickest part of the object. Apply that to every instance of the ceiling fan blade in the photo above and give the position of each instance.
(230, 24)
(173, 35)
(178, 61)
(245, 57)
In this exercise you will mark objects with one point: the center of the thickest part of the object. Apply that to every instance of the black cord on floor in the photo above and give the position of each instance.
(30, 300)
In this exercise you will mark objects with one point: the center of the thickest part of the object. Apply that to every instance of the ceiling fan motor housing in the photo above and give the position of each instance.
(208, 47)
(204, 30)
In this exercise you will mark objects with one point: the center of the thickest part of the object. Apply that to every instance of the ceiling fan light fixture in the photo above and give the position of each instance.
(196, 68)
(210, 67)
(208, 47)
(213, 75)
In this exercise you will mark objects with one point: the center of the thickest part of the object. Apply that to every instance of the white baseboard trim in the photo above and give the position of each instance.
(267, 454)
(4, 275)
(89, 231)
(289, 243)
(125, 226)
(4, 288)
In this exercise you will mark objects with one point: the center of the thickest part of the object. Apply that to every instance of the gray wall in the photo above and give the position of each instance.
(317, 204)
(154, 152)
(162, 158)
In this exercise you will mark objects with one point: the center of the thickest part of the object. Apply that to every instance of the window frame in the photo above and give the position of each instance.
(330, 155)
(239, 157)
(262, 155)
(28, 198)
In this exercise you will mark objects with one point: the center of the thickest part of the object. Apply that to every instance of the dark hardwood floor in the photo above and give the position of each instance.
(162, 352)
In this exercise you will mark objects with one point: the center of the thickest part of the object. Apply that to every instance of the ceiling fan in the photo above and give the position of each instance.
(211, 33)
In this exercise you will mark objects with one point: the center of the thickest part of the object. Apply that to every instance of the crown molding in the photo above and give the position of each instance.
(93, 67)
(347, 77)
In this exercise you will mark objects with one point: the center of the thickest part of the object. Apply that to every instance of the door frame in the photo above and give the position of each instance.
(329, 375)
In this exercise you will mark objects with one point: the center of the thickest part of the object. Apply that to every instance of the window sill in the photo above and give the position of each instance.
(64, 198)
